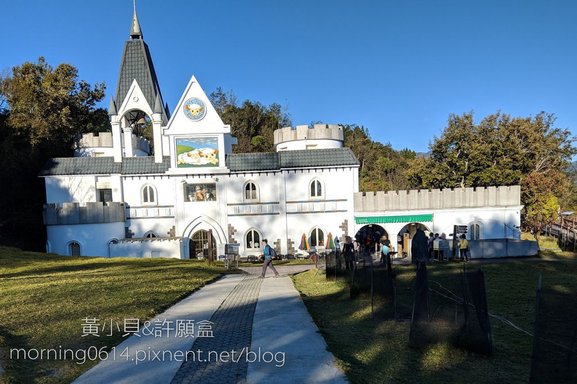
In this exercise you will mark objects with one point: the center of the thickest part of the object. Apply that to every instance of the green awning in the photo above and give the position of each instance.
(394, 219)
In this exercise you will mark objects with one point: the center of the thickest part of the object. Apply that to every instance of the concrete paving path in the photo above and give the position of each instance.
(260, 330)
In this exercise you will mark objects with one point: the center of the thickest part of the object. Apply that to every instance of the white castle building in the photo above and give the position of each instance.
(188, 194)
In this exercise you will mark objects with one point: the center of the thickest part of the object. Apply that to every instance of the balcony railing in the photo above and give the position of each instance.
(90, 213)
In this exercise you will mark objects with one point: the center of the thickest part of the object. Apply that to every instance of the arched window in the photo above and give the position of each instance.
(74, 248)
(148, 195)
(474, 231)
(252, 239)
(316, 188)
(317, 237)
(150, 235)
(250, 191)
(110, 243)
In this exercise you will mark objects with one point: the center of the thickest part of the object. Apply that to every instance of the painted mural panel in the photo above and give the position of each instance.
(197, 152)
(200, 192)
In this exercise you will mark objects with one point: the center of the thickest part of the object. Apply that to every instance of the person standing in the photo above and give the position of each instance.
(419, 250)
(268, 254)
(444, 250)
(349, 251)
(464, 248)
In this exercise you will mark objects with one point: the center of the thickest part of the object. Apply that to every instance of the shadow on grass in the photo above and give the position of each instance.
(374, 348)
(17, 370)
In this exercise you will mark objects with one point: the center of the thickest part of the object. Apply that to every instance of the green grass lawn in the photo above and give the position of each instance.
(376, 350)
(45, 299)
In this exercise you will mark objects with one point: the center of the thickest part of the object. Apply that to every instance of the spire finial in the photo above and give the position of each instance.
(135, 31)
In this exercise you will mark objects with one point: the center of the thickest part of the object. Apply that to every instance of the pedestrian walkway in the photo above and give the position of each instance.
(261, 333)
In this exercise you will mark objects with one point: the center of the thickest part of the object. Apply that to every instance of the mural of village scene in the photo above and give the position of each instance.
(200, 192)
(197, 152)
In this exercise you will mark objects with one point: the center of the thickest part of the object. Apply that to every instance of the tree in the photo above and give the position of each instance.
(50, 107)
(251, 123)
(381, 167)
(501, 150)
(541, 194)
(43, 111)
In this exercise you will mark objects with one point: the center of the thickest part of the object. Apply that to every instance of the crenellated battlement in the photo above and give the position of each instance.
(503, 196)
(104, 141)
(324, 132)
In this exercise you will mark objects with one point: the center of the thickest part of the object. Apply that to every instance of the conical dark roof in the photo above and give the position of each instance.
(136, 64)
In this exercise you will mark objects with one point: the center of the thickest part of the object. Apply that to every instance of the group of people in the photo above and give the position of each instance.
(436, 247)
(423, 249)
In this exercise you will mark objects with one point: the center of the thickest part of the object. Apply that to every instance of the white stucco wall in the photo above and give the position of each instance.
(147, 248)
(93, 238)
(308, 144)
(63, 189)
(284, 209)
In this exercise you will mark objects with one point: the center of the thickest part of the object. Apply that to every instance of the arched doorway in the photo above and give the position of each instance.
(369, 236)
(201, 245)
(141, 125)
(405, 236)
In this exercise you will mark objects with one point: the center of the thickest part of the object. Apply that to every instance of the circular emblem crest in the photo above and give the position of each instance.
(194, 109)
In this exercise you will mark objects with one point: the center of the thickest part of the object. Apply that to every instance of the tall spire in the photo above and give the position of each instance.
(135, 31)
(136, 64)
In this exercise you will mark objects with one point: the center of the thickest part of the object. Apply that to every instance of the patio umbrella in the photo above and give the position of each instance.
(304, 245)
(330, 244)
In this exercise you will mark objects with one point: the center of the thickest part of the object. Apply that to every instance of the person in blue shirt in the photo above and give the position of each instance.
(268, 253)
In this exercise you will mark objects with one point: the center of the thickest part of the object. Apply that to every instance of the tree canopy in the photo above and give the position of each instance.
(501, 150)
(43, 111)
(382, 167)
(251, 123)
(50, 107)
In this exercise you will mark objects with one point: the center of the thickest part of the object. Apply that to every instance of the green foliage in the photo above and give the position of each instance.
(51, 106)
(43, 111)
(382, 168)
(541, 193)
(502, 150)
(251, 123)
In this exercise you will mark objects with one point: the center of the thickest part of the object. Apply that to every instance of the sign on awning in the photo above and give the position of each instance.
(394, 219)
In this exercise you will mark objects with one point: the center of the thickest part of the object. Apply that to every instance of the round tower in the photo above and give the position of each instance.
(319, 136)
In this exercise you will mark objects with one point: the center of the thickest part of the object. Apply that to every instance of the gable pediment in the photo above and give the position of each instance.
(135, 99)
(195, 114)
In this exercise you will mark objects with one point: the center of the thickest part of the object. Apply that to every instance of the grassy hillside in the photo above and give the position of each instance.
(45, 300)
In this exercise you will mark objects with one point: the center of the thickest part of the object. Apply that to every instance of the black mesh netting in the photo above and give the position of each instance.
(455, 311)
(554, 357)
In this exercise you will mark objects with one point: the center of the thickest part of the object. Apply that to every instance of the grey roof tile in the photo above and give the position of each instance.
(252, 161)
(104, 166)
(80, 166)
(136, 64)
(317, 158)
(240, 162)
(291, 159)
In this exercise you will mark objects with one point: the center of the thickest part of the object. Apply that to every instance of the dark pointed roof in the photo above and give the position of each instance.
(112, 108)
(136, 64)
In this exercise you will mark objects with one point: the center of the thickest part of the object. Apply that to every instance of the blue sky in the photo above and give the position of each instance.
(399, 68)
